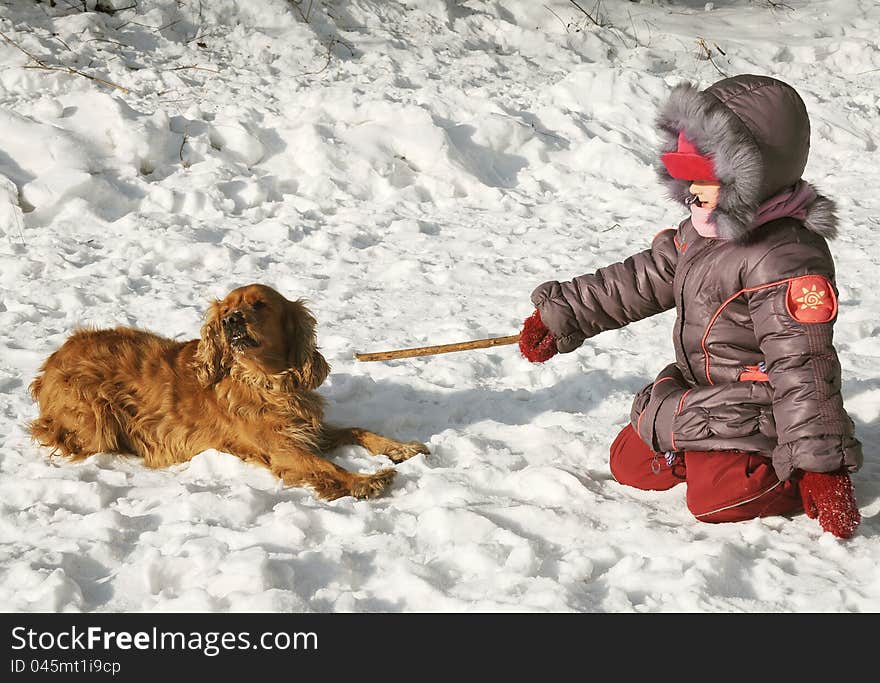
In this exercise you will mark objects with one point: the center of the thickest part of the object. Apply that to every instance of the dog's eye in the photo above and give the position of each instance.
(257, 305)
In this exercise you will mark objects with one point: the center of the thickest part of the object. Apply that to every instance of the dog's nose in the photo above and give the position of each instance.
(233, 319)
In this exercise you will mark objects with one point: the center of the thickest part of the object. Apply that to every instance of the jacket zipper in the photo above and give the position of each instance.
(692, 377)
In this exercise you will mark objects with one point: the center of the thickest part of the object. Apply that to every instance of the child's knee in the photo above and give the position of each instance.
(633, 463)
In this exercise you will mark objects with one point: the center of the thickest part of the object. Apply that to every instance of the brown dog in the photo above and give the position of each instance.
(246, 387)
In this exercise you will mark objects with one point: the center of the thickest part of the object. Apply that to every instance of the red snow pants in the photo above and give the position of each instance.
(722, 486)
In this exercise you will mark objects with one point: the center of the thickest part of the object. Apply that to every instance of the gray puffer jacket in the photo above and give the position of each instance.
(753, 371)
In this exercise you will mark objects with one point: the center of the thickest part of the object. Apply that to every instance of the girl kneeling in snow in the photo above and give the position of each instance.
(750, 415)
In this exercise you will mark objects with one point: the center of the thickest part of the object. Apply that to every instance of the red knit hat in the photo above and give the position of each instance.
(686, 163)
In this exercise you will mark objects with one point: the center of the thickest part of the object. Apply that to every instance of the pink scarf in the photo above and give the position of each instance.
(702, 223)
(792, 201)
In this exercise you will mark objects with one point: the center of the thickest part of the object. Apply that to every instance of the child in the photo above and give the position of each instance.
(750, 415)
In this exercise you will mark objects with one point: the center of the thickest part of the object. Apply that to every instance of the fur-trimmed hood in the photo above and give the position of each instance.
(756, 131)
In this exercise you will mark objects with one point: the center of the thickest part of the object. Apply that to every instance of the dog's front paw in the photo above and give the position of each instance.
(404, 451)
(372, 485)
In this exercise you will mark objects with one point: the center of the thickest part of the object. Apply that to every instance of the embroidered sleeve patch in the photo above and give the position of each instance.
(811, 299)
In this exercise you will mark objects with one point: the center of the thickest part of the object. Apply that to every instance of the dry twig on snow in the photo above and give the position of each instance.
(708, 53)
(40, 64)
(587, 14)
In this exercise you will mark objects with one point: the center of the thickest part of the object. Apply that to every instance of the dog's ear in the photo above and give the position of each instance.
(306, 363)
(212, 355)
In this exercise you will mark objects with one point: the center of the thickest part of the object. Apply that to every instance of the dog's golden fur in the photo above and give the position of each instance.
(246, 387)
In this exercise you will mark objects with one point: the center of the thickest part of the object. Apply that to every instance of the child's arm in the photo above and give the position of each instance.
(793, 315)
(610, 298)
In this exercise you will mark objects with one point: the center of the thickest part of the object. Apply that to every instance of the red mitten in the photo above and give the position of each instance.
(536, 342)
(829, 496)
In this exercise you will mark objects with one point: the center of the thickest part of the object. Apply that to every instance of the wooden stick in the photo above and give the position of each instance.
(442, 348)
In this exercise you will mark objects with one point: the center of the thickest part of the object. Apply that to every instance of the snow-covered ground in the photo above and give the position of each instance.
(413, 169)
